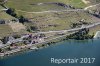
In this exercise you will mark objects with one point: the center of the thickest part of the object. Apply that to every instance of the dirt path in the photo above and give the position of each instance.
(86, 8)
(52, 11)
(85, 1)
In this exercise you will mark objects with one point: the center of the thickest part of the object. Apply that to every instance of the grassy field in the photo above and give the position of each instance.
(5, 30)
(94, 30)
(95, 8)
(58, 21)
(1, 7)
(5, 16)
(26, 5)
(94, 1)
(46, 21)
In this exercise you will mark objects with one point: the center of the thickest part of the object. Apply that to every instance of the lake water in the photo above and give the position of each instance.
(63, 50)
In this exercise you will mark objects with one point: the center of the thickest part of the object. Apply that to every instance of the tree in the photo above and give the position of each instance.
(11, 12)
(33, 28)
(0, 50)
(22, 19)
(5, 40)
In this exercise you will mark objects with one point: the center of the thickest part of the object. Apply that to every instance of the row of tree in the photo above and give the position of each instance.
(80, 35)
(13, 13)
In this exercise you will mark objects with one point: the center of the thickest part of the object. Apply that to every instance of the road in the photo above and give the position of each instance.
(3, 9)
(14, 41)
(61, 31)
(86, 8)
(75, 29)
(52, 11)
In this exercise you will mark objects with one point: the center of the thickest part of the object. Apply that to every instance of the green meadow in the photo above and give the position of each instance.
(26, 5)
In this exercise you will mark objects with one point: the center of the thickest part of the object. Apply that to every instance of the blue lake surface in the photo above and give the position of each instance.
(66, 49)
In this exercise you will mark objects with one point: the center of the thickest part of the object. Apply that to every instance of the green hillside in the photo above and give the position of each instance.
(31, 5)
(58, 21)
(1, 7)
(5, 16)
(5, 30)
(47, 21)
(94, 1)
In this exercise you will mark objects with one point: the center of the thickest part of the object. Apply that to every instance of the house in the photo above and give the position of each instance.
(6, 39)
(2, 21)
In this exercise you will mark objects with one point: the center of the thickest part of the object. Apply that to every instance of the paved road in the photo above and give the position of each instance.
(89, 26)
(75, 29)
(21, 39)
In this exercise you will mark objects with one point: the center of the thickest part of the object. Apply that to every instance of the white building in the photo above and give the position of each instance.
(97, 35)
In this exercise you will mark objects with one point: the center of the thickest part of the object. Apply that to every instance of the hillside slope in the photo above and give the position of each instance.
(36, 5)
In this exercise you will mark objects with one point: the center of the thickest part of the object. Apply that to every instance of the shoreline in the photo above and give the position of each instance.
(41, 46)
(30, 47)
(37, 46)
